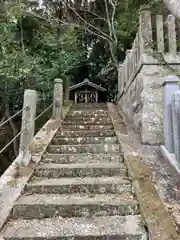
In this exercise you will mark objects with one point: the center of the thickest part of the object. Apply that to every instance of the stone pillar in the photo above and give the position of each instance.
(160, 33)
(96, 96)
(176, 123)
(67, 84)
(75, 97)
(126, 66)
(86, 99)
(145, 31)
(170, 86)
(120, 80)
(172, 35)
(58, 98)
(27, 126)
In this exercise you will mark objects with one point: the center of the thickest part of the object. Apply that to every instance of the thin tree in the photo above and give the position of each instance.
(70, 13)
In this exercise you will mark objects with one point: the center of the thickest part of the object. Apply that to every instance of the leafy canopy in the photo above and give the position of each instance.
(33, 52)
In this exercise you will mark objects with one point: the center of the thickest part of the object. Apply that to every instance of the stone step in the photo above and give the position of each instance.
(83, 133)
(88, 185)
(89, 109)
(85, 107)
(88, 113)
(87, 122)
(83, 158)
(90, 105)
(52, 205)
(85, 110)
(87, 127)
(54, 170)
(83, 140)
(85, 148)
(87, 118)
(114, 227)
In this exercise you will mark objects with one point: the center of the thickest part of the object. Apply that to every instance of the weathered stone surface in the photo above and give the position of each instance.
(83, 140)
(14, 179)
(158, 221)
(85, 110)
(92, 113)
(85, 106)
(142, 103)
(116, 227)
(92, 121)
(54, 170)
(83, 158)
(40, 206)
(86, 148)
(152, 100)
(86, 185)
(93, 105)
(131, 102)
(88, 127)
(87, 118)
(79, 191)
(83, 133)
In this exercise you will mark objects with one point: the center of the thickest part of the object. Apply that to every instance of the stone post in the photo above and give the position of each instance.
(145, 29)
(86, 97)
(160, 33)
(75, 97)
(120, 80)
(176, 123)
(58, 98)
(170, 86)
(27, 126)
(96, 93)
(172, 34)
(127, 66)
(67, 84)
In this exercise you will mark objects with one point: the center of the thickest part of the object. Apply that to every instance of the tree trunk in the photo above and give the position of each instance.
(13, 127)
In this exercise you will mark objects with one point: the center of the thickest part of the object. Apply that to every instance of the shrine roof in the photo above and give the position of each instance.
(86, 82)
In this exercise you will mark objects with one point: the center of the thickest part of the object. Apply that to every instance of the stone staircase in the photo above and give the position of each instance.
(80, 189)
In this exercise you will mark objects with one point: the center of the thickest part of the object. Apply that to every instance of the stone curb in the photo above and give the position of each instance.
(171, 157)
(13, 181)
(159, 223)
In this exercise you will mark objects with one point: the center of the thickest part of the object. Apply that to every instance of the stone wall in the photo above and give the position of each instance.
(143, 102)
(140, 77)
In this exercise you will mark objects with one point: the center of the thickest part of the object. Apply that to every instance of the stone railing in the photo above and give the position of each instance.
(29, 119)
(154, 55)
(171, 147)
(130, 66)
(32, 146)
(144, 45)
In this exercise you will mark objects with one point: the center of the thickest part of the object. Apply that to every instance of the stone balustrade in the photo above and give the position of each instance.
(153, 56)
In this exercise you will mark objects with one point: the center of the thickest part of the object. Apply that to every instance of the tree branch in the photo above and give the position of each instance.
(68, 23)
(108, 18)
(114, 5)
(22, 36)
(93, 13)
(111, 46)
(88, 24)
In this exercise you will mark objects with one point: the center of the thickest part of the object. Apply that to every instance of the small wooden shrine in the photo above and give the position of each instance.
(86, 92)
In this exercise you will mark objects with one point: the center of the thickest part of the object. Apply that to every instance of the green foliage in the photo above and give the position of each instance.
(126, 23)
(32, 53)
